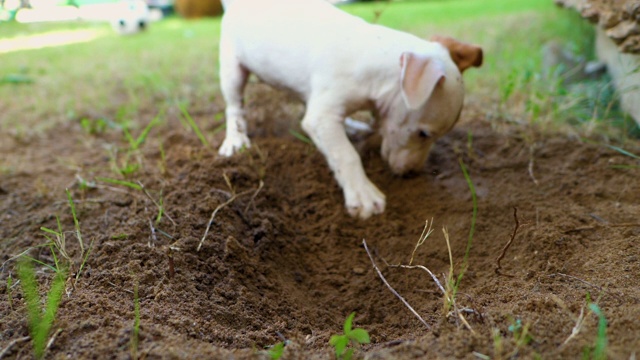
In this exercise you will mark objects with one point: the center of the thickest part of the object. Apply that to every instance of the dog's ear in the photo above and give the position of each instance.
(464, 55)
(420, 75)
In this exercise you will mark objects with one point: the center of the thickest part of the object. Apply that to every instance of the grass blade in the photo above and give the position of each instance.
(300, 136)
(120, 182)
(194, 126)
(623, 152)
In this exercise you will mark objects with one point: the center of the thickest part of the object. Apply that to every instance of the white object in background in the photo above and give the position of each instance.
(130, 17)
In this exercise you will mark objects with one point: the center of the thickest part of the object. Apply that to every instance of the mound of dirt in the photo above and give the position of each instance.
(283, 260)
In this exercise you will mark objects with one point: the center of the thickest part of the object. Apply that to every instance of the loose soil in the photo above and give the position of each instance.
(283, 260)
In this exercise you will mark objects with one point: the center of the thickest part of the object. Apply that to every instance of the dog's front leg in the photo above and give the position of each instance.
(233, 78)
(325, 126)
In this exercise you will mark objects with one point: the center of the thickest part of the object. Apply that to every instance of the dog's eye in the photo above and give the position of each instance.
(422, 134)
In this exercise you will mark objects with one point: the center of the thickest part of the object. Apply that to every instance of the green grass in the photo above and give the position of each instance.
(40, 322)
(192, 124)
(128, 184)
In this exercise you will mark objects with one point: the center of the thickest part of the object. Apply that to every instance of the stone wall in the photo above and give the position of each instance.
(617, 44)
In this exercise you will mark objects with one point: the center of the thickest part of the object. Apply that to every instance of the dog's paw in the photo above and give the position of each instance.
(364, 200)
(233, 144)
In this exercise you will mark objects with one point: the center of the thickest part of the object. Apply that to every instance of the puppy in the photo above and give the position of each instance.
(338, 64)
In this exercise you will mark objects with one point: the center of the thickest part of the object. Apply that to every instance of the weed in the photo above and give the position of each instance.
(305, 139)
(193, 126)
(160, 209)
(426, 232)
(599, 351)
(521, 335)
(40, 322)
(498, 347)
(57, 244)
(10, 291)
(135, 143)
(355, 336)
(85, 185)
(128, 184)
(275, 352)
(163, 159)
(93, 126)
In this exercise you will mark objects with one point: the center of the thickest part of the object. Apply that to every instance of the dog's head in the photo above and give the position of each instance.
(432, 94)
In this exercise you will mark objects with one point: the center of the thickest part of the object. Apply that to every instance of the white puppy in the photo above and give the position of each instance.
(338, 64)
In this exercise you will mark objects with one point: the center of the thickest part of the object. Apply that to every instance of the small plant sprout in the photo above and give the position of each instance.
(58, 245)
(600, 346)
(300, 136)
(355, 336)
(93, 126)
(521, 335)
(275, 351)
(9, 291)
(40, 321)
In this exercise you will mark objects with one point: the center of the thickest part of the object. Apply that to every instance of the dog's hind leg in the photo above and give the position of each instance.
(233, 78)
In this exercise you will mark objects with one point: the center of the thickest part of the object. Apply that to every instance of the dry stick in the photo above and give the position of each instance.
(535, 181)
(153, 234)
(215, 211)
(598, 226)
(435, 279)
(253, 197)
(53, 338)
(576, 329)
(578, 279)
(364, 242)
(506, 247)
(11, 344)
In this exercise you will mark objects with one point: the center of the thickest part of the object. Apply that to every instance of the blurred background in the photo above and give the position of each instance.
(68, 60)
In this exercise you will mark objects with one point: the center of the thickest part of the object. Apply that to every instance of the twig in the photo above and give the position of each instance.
(364, 242)
(120, 287)
(154, 238)
(506, 247)
(218, 208)
(598, 226)
(576, 329)
(50, 343)
(172, 270)
(578, 279)
(535, 181)
(12, 344)
(253, 197)
(435, 279)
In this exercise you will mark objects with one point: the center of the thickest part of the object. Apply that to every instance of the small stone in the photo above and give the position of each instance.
(358, 270)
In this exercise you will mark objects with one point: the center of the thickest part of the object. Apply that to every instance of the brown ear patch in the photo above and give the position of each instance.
(463, 55)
